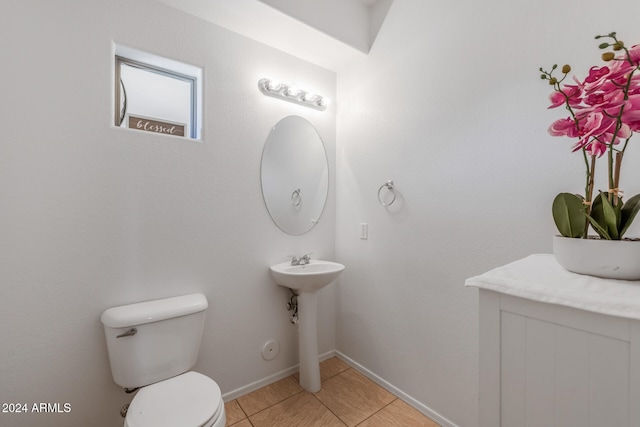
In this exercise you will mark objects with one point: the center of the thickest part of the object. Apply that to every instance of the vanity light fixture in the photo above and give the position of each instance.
(292, 94)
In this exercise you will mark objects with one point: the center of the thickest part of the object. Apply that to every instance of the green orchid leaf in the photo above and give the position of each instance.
(607, 216)
(602, 232)
(568, 214)
(628, 213)
(597, 210)
(611, 217)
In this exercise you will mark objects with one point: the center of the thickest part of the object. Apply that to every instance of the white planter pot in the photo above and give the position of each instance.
(611, 259)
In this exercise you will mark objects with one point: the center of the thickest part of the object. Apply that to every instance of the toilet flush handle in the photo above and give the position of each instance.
(129, 333)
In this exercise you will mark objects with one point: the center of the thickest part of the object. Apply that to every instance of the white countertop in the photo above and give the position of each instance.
(540, 278)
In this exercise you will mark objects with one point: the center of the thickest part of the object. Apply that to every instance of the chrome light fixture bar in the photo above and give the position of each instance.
(292, 94)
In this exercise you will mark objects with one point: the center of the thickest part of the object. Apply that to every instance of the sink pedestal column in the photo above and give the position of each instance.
(308, 341)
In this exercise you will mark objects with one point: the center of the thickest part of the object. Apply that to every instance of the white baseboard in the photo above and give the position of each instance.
(397, 392)
(234, 394)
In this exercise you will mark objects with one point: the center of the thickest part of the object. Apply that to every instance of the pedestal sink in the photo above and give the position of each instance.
(306, 280)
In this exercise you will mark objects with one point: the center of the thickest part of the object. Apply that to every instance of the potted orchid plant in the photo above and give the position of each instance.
(603, 114)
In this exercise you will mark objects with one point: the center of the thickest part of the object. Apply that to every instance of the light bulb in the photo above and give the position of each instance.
(309, 96)
(273, 85)
(292, 91)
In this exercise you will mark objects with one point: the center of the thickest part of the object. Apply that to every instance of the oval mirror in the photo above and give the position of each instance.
(294, 175)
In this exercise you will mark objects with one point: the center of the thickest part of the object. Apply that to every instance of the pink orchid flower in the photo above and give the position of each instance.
(564, 127)
(596, 78)
(572, 93)
(631, 113)
(594, 148)
(594, 124)
(605, 106)
(596, 73)
(634, 54)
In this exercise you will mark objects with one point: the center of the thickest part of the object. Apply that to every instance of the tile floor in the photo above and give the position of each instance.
(347, 398)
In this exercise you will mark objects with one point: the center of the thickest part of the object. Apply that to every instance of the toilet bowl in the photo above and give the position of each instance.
(188, 400)
(153, 345)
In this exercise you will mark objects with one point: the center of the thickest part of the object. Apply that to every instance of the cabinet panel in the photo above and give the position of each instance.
(540, 370)
(609, 400)
(554, 375)
(572, 371)
(513, 369)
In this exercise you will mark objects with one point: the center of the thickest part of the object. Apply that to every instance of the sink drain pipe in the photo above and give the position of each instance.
(292, 305)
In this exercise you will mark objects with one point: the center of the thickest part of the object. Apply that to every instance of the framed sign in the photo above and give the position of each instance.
(157, 126)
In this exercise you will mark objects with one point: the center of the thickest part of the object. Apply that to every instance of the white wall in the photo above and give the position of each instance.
(92, 216)
(450, 106)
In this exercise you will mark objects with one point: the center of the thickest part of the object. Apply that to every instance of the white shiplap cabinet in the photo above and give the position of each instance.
(544, 365)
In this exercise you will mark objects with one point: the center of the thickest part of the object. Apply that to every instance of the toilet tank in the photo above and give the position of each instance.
(165, 343)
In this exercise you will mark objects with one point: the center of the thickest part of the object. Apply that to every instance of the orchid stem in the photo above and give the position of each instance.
(616, 177)
(588, 190)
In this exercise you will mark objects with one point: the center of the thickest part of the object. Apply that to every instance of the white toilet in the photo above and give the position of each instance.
(153, 345)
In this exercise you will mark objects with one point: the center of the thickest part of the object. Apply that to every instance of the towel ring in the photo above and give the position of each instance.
(296, 198)
(389, 186)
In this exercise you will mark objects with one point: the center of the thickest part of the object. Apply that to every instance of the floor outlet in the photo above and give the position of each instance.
(270, 350)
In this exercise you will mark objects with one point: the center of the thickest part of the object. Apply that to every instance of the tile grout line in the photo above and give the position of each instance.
(329, 409)
(274, 404)
(395, 398)
(322, 403)
(336, 415)
(246, 416)
(271, 406)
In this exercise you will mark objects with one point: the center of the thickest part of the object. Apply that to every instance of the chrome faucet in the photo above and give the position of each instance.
(303, 260)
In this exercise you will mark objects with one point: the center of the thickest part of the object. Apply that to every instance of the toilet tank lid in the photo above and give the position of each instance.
(153, 311)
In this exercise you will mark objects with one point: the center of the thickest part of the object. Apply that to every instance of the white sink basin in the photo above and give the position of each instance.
(306, 278)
